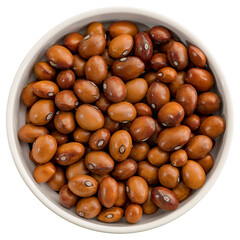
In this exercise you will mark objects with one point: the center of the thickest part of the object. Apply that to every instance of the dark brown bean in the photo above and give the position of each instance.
(66, 100)
(149, 207)
(179, 81)
(143, 110)
(178, 158)
(27, 96)
(125, 169)
(139, 151)
(166, 74)
(193, 122)
(99, 139)
(72, 40)
(163, 48)
(64, 122)
(159, 34)
(110, 215)
(197, 57)
(57, 181)
(103, 103)
(42, 173)
(133, 213)
(81, 135)
(157, 157)
(45, 89)
(158, 61)
(75, 169)
(122, 27)
(182, 191)
(148, 172)
(66, 79)
(95, 27)
(78, 65)
(67, 198)
(206, 162)
(111, 125)
(122, 195)
(44, 71)
(168, 176)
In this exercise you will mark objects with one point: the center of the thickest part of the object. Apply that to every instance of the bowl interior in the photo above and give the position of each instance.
(17, 113)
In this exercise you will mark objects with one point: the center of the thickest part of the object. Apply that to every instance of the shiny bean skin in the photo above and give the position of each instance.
(66, 100)
(122, 27)
(81, 135)
(136, 90)
(167, 75)
(133, 213)
(198, 147)
(171, 114)
(120, 46)
(201, 79)
(64, 122)
(149, 207)
(206, 162)
(114, 89)
(122, 195)
(137, 189)
(27, 96)
(99, 177)
(110, 215)
(95, 27)
(67, 198)
(92, 45)
(182, 191)
(88, 207)
(150, 77)
(45, 89)
(59, 57)
(158, 94)
(177, 55)
(108, 192)
(57, 180)
(197, 57)
(122, 112)
(164, 198)
(163, 48)
(125, 169)
(69, 153)
(139, 151)
(157, 157)
(143, 46)
(66, 79)
(44, 71)
(96, 69)
(120, 145)
(78, 65)
(89, 117)
(187, 96)
(152, 141)
(179, 81)
(128, 68)
(142, 128)
(171, 139)
(72, 40)
(83, 185)
(158, 61)
(103, 103)
(208, 103)
(99, 139)
(29, 133)
(42, 112)
(193, 122)
(42, 173)
(159, 34)
(148, 172)
(107, 58)
(168, 176)
(75, 169)
(193, 175)
(44, 148)
(111, 125)
(212, 126)
(99, 162)
(143, 110)
(178, 158)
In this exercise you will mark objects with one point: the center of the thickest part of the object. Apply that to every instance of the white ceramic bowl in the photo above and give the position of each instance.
(16, 117)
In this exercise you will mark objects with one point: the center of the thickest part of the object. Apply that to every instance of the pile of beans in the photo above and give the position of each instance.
(120, 122)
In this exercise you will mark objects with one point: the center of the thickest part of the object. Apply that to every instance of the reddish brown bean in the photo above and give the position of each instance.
(152, 141)
(99, 139)
(133, 213)
(150, 77)
(42, 173)
(122, 27)
(81, 135)
(158, 61)
(57, 180)
(111, 125)
(67, 198)
(44, 71)
(76, 169)
(168, 176)
(109, 60)
(206, 162)
(139, 151)
(179, 81)
(122, 195)
(149, 207)
(110, 215)
(78, 65)
(193, 122)
(157, 157)
(27, 96)
(167, 74)
(72, 40)
(143, 110)
(148, 172)
(45, 89)
(197, 57)
(64, 122)
(125, 169)
(182, 191)
(103, 103)
(66, 79)
(66, 100)
(95, 27)
(160, 34)
(178, 158)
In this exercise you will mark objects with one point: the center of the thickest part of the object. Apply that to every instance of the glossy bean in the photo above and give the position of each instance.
(168, 176)
(42, 173)
(99, 139)
(193, 122)
(125, 169)
(58, 180)
(27, 96)
(122, 27)
(133, 213)
(143, 110)
(159, 34)
(148, 172)
(81, 135)
(197, 57)
(110, 215)
(45, 89)
(157, 157)
(95, 27)
(66, 100)
(75, 169)
(206, 162)
(78, 65)
(103, 103)
(149, 207)
(72, 40)
(66, 79)
(122, 195)
(150, 77)
(64, 122)
(178, 158)
(44, 71)
(179, 81)
(158, 61)
(139, 151)
(111, 125)
(67, 198)
(167, 75)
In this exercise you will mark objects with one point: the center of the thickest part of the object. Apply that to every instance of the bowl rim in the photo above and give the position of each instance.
(111, 228)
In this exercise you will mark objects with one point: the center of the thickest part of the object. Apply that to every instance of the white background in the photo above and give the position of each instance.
(216, 23)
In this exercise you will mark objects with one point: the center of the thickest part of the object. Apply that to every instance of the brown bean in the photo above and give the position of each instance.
(143, 110)
(59, 57)
(114, 89)
(179, 81)
(133, 213)
(83, 185)
(75, 169)
(29, 133)
(163, 48)
(136, 90)
(206, 162)
(122, 27)
(86, 91)
(171, 114)
(172, 139)
(166, 74)
(107, 58)
(148, 172)
(96, 69)
(66, 100)
(42, 112)
(193, 122)
(158, 61)
(139, 151)
(159, 34)
(92, 45)
(45, 89)
(143, 46)
(122, 112)
(198, 147)
(201, 79)
(208, 103)
(142, 128)
(149, 207)
(128, 68)
(27, 96)
(178, 158)
(187, 96)
(168, 176)
(42, 173)
(150, 77)
(182, 191)
(125, 169)
(111, 125)
(88, 207)
(108, 192)
(99, 177)
(57, 180)
(99, 162)
(152, 141)
(197, 57)
(81, 135)
(99, 139)
(177, 55)
(78, 65)
(67, 198)
(137, 189)
(95, 27)
(157, 157)
(64, 122)
(44, 71)
(72, 40)
(66, 79)
(69, 153)
(193, 175)
(122, 195)
(89, 118)
(212, 126)
(158, 94)
(110, 215)
(103, 103)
